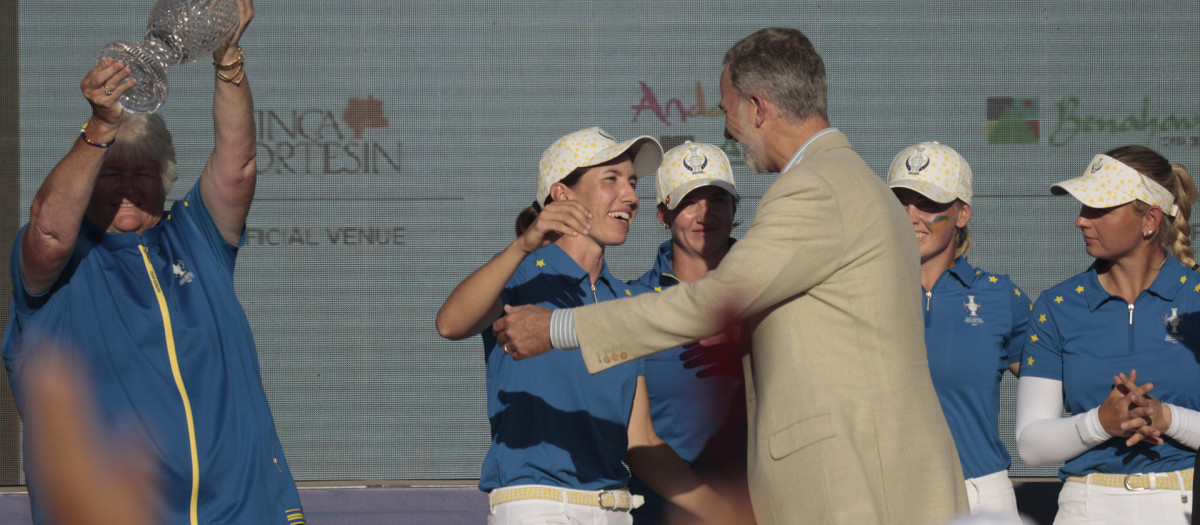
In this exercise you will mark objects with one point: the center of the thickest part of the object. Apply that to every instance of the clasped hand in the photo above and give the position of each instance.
(1130, 412)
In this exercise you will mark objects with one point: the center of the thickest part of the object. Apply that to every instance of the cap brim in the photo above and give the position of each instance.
(691, 185)
(1077, 187)
(644, 151)
(930, 191)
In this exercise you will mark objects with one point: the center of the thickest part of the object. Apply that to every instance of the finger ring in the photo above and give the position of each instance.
(107, 90)
(505, 347)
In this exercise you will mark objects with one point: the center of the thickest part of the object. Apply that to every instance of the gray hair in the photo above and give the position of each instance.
(146, 136)
(782, 65)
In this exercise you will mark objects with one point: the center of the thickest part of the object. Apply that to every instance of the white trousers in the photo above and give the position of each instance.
(1081, 503)
(992, 494)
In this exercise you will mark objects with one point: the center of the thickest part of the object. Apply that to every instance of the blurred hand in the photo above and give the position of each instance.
(82, 478)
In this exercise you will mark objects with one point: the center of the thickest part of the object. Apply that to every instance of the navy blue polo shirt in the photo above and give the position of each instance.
(697, 402)
(974, 328)
(552, 422)
(1083, 336)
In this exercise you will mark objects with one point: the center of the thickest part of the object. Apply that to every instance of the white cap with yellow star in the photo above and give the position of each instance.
(591, 147)
(934, 170)
(690, 166)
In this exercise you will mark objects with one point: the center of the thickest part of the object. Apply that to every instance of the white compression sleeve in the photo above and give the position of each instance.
(1043, 435)
(1185, 427)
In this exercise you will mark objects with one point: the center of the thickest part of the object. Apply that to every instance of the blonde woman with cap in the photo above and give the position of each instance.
(559, 434)
(1102, 340)
(696, 393)
(974, 320)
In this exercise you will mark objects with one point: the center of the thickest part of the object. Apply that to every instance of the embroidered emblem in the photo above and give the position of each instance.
(973, 308)
(1172, 323)
(917, 161)
(181, 272)
(695, 161)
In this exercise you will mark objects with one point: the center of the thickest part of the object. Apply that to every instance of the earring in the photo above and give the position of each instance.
(1146, 235)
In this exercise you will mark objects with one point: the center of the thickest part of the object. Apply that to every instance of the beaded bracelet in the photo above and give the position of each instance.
(90, 142)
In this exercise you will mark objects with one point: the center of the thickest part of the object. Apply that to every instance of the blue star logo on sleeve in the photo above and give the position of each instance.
(1033, 338)
(992, 279)
(1079, 289)
(1042, 318)
(1029, 361)
(1182, 279)
(1058, 299)
(1197, 288)
(541, 263)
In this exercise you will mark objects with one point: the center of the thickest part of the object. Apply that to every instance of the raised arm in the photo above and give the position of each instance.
(475, 302)
(60, 204)
(227, 183)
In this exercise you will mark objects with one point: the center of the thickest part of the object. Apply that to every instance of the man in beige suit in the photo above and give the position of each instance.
(845, 426)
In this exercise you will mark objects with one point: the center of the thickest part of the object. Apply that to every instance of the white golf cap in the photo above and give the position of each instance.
(689, 166)
(933, 170)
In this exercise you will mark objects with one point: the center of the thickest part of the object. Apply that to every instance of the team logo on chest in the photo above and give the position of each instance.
(973, 309)
(181, 272)
(1172, 323)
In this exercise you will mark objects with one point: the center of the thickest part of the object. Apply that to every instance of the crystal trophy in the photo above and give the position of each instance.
(178, 32)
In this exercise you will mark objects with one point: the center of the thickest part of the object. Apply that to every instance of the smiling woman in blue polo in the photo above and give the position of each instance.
(974, 320)
(1116, 347)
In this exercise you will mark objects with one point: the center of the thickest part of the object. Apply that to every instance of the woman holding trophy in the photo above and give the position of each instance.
(145, 297)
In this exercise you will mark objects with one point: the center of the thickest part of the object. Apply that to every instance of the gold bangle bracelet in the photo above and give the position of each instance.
(232, 65)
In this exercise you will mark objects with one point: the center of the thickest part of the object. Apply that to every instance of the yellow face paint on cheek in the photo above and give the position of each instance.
(937, 223)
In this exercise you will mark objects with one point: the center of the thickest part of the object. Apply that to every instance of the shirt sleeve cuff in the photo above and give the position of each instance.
(562, 329)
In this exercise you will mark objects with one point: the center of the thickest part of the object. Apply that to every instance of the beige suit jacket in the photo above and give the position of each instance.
(845, 426)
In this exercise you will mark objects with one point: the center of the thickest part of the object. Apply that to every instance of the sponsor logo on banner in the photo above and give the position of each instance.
(673, 110)
(1013, 120)
(1147, 122)
(1017, 120)
(327, 141)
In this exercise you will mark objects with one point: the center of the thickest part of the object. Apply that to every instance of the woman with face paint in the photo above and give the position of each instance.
(559, 434)
(974, 320)
(1102, 341)
(696, 393)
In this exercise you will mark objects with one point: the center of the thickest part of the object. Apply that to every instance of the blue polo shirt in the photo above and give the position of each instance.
(697, 402)
(1083, 336)
(552, 422)
(156, 373)
(975, 324)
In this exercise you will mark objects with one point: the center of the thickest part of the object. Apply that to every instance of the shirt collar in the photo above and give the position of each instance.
(799, 154)
(963, 272)
(1170, 279)
(557, 261)
(662, 264)
(116, 241)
